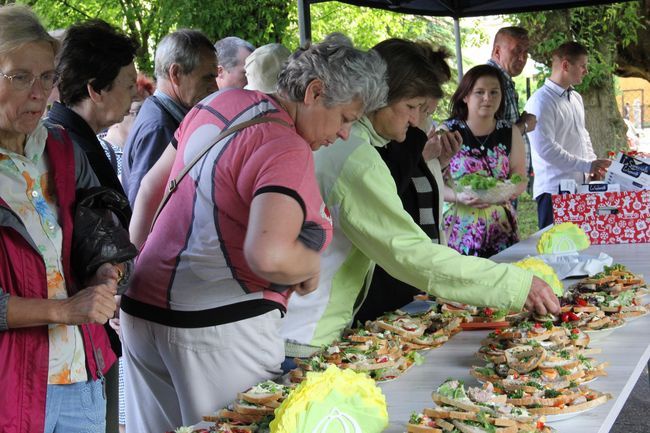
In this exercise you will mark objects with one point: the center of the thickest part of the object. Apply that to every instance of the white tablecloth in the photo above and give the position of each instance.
(627, 350)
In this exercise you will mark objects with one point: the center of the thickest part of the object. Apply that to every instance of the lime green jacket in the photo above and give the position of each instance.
(371, 226)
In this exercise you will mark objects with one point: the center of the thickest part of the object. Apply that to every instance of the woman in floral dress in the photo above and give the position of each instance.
(491, 147)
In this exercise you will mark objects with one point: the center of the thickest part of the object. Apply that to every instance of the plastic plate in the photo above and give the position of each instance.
(599, 334)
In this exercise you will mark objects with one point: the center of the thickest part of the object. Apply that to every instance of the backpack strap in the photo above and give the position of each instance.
(173, 184)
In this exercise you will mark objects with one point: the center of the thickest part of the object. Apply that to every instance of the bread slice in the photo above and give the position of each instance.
(260, 398)
(227, 427)
(524, 359)
(539, 334)
(598, 323)
(449, 414)
(296, 375)
(453, 306)
(246, 408)
(602, 398)
(415, 428)
(585, 309)
(446, 425)
(226, 414)
(564, 363)
(464, 428)
(434, 339)
(369, 365)
(555, 401)
(468, 405)
(405, 327)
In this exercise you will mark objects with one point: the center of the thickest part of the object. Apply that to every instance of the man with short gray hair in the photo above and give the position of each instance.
(232, 52)
(509, 56)
(185, 65)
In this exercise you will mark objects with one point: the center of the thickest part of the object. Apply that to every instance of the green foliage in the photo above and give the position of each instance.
(367, 27)
(260, 22)
(599, 28)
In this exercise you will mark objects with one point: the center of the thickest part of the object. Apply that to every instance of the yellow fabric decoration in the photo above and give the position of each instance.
(333, 401)
(563, 238)
(543, 271)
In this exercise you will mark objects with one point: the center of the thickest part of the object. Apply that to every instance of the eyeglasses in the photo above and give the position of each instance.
(25, 80)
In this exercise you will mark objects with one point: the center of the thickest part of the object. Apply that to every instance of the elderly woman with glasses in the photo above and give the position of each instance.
(53, 347)
(244, 230)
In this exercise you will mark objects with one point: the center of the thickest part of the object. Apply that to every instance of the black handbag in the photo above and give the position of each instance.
(100, 231)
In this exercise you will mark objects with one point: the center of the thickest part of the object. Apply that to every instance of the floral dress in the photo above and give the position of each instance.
(472, 231)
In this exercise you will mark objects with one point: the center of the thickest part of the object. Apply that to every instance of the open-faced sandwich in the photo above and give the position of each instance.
(626, 304)
(372, 355)
(253, 409)
(613, 280)
(456, 307)
(384, 349)
(551, 363)
(472, 314)
(527, 330)
(475, 410)
(557, 401)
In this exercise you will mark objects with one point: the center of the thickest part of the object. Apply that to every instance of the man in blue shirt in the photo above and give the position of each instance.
(185, 66)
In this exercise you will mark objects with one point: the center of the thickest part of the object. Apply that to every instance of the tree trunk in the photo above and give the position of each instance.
(634, 60)
(603, 119)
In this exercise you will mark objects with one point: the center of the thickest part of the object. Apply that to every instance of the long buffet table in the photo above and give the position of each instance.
(627, 350)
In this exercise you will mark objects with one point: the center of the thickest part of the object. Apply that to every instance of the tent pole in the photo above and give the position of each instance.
(304, 21)
(459, 53)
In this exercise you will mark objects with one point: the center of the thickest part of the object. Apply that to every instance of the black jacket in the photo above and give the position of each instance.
(84, 137)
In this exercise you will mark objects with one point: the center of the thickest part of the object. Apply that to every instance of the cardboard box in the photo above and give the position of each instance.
(568, 186)
(607, 218)
(631, 173)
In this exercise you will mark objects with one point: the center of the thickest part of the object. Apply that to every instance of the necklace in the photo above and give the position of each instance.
(482, 147)
(479, 141)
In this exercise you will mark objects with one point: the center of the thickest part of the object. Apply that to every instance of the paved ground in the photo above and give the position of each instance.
(635, 415)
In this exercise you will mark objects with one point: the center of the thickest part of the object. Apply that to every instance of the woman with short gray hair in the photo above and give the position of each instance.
(346, 73)
(237, 237)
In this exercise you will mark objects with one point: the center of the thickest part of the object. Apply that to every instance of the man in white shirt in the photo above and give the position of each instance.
(560, 144)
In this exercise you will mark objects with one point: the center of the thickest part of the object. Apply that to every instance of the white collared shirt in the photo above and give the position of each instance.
(560, 144)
